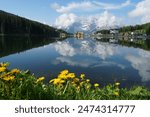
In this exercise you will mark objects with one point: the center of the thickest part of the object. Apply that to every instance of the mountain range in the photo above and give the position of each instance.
(88, 25)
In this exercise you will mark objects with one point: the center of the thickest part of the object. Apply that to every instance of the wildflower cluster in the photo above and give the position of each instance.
(3, 67)
(7, 75)
(65, 78)
(17, 84)
(4, 74)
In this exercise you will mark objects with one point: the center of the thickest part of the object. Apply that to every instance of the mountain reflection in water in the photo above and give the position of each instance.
(102, 62)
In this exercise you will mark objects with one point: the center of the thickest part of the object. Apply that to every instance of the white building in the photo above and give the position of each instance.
(114, 31)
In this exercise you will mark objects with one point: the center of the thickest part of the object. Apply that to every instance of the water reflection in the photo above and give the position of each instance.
(103, 62)
(93, 53)
(64, 49)
(97, 55)
(130, 42)
(141, 62)
(87, 47)
(109, 63)
(17, 44)
(86, 62)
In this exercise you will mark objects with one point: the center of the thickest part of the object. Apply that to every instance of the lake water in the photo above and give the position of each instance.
(102, 62)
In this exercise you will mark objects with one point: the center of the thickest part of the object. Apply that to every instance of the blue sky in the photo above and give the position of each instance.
(52, 11)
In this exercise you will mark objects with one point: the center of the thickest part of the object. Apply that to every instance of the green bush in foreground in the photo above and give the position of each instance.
(16, 84)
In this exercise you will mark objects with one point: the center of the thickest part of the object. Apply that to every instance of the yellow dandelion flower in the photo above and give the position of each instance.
(76, 80)
(62, 76)
(88, 87)
(12, 77)
(4, 75)
(64, 72)
(73, 84)
(82, 76)
(57, 81)
(62, 81)
(116, 93)
(51, 81)
(88, 80)
(4, 64)
(40, 79)
(117, 83)
(6, 78)
(2, 69)
(78, 88)
(96, 85)
(9, 78)
(15, 71)
(71, 75)
(81, 83)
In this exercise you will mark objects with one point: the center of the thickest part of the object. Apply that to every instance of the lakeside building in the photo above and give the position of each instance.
(79, 35)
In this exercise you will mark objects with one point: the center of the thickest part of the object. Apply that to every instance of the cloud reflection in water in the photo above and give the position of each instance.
(93, 54)
(141, 62)
(97, 49)
(81, 53)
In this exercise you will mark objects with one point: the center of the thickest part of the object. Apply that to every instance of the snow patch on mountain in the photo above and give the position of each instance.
(73, 23)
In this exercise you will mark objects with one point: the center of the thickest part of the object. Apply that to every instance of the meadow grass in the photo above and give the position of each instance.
(21, 85)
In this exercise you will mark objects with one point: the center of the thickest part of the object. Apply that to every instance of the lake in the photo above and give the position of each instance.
(102, 62)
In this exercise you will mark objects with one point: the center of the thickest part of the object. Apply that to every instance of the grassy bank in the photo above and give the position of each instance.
(17, 84)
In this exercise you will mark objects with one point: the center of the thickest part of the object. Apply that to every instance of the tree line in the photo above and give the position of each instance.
(141, 29)
(144, 28)
(11, 24)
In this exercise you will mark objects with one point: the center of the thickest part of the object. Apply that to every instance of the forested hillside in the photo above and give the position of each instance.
(140, 29)
(144, 28)
(11, 24)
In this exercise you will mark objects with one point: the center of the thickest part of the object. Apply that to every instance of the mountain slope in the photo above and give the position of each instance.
(11, 24)
(87, 26)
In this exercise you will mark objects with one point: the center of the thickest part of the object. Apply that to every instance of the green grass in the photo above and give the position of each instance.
(21, 85)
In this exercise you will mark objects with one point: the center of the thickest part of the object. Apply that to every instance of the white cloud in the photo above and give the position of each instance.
(65, 20)
(85, 5)
(68, 17)
(106, 19)
(145, 19)
(141, 63)
(88, 5)
(142, 10)
(102, 20)
(112, 6)
(55, 6)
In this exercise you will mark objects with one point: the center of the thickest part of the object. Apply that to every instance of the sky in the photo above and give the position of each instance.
(63, 13)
